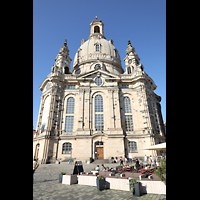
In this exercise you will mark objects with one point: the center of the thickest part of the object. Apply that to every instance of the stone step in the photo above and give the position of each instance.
(101, 161)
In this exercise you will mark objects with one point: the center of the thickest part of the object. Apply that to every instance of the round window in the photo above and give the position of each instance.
(98, 81)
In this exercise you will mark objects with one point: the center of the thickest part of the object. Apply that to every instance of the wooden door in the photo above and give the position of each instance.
(100, 153)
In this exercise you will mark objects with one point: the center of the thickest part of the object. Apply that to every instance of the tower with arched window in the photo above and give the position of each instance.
(97, 109)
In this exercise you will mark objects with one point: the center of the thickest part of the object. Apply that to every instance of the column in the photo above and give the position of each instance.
(110, 109)
(86, 110)
(117, 109)
(81, 109)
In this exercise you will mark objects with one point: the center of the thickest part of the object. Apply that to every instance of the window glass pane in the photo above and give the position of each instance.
(98, 81)
(98, 103)
(70, 105)
(129, 122)
(71, 86)
(69, 123)
(132, 146)
(97, 47)
(67, 148)
(127, 105)
(99, 122)
(125, 86)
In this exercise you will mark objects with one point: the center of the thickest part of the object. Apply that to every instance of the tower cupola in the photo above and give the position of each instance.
(63, 60)
(96, 28)
(132, 60)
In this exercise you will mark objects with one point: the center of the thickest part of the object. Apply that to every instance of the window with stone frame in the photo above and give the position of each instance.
(132, 146)
(128, 114)
(69, 120)
(67, 148)
(97, 48)
(99, 116)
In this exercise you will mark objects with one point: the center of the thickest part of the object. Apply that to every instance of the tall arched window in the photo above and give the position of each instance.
(99, 119)
(128, 114)
(69, 122)
(70, 105)
(66, 148)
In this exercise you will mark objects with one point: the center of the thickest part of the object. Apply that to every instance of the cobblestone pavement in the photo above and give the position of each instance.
(46, 186)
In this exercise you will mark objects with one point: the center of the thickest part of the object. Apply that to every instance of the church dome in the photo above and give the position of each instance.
(97, 51)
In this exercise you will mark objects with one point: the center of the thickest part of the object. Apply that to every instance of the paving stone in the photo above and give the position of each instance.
(46, 186)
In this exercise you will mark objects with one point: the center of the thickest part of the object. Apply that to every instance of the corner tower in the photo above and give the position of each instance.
(132, 60)
(63, 60)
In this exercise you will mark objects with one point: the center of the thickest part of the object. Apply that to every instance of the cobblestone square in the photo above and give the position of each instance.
(46, 186)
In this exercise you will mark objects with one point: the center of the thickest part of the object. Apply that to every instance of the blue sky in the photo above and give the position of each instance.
(141, 21)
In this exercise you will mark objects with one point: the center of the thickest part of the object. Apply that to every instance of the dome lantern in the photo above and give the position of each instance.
(96, 28)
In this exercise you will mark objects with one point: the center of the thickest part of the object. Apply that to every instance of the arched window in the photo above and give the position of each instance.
(97, 47)
(127, 105)
(96, 29)
(66, 70)
(66, 148)
(128, 114)
(129, 70)
(99, 118)
(70, 105)
(98, 103)
(132, 146)
(69, 122)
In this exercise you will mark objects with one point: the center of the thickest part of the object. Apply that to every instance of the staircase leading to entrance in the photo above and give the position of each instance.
(101, 161)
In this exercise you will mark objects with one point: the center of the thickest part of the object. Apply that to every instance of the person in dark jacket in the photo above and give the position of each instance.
(137, 164)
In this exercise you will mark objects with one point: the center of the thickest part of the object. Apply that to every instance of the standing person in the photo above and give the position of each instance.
(154, 160)
(102, 167)
(121, 161)
(116, 159)
(157, 161)
(130, 157)
(137, 164)
(145, 158)
(150, 159)
(125, 161)
(35, 166)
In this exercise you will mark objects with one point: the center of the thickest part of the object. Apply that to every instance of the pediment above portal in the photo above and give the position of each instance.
(95, 73)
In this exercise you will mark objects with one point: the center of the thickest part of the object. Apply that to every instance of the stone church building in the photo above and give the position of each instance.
(97, 109)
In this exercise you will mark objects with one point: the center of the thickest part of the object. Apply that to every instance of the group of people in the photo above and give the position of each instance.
(151, 160)
(102, 168)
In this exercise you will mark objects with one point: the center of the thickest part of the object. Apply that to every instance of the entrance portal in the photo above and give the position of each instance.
(99, 152)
